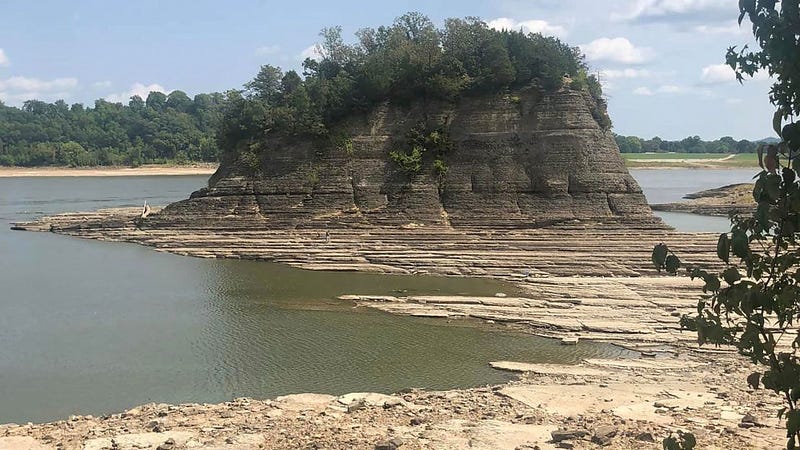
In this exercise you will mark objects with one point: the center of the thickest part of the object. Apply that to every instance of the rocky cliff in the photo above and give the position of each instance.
(522, 160)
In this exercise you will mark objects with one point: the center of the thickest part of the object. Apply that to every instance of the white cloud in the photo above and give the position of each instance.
(671, 89)
(625, 73)
(619, 50)
(717, 73)
(313, 51)
(528, 26)
(642, 91)
(728, 28)
(3, 58)
(102, 84)
(733, 101)
(666, 10)
(267, 50)
(24, 84)
(18, 89)
(722, 73)
(139, 89)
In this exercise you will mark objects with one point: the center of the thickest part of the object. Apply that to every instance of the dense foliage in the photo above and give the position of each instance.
(411, 60)
(162, 128)
(691, 144)
(754, 302)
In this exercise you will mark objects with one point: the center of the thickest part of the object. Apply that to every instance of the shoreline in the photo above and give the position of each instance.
(756, 169)
(736, 199)
(615, 404)
(145, 170)
(613, 295)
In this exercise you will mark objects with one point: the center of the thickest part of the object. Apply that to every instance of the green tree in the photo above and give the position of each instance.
(266, 86)
(179, 101)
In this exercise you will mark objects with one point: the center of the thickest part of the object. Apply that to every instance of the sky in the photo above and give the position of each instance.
(661, 62)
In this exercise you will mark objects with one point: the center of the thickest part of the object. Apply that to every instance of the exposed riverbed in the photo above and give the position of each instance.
(93, 327)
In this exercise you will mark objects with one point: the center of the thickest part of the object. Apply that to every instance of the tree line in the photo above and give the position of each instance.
(691, 144)
(410, 60)
(161, 128)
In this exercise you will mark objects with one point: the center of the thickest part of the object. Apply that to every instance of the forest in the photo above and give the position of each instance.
(691, 144)
(161, 128)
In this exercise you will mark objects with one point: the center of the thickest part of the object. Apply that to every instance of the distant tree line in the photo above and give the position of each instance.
(162, 128)
(691, 144)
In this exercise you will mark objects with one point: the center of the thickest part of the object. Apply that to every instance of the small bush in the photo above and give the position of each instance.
(409, 163)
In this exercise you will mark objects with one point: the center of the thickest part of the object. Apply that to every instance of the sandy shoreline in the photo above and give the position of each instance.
(613, 295)
(146, 170)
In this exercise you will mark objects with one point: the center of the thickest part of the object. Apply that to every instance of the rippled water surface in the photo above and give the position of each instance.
(95, 327)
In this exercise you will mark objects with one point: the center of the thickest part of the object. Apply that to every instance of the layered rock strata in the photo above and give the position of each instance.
(590, 249)
(522, 160)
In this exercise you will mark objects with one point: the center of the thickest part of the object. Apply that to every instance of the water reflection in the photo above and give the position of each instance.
(261, 343)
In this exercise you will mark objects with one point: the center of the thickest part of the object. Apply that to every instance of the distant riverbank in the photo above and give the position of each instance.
(146, 170)
(689, 160)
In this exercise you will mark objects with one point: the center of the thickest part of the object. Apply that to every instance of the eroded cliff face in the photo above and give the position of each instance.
(523, 160)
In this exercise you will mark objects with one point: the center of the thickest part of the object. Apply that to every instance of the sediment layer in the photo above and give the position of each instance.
(522, 160)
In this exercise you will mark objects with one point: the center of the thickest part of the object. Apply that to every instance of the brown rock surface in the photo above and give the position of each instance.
(517, 161)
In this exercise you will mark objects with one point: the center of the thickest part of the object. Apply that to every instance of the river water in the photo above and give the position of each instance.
(91, 327)
(670, 185)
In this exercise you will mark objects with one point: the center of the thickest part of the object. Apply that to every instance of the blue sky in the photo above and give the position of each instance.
(660, 60)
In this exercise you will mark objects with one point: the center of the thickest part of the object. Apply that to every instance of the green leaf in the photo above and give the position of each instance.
(689, 441)
(723, 247)
(659, 256)
(788, 176)
(753, 380)
(740, 244)
(793, 421)
(672, 264)
(777, 120)
(731, 275)
(758, 189)
(712, 283)
(772, 186)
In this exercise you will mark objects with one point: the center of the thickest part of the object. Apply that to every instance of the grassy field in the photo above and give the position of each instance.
(690, 160)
